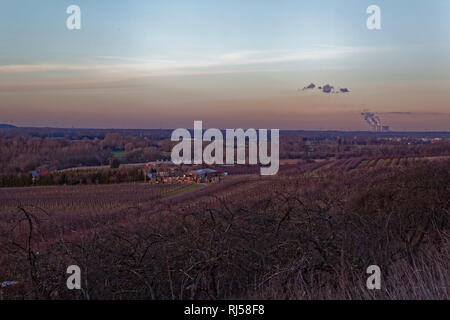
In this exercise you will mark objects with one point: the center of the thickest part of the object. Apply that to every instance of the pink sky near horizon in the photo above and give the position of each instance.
(301, 111)
(260, 99)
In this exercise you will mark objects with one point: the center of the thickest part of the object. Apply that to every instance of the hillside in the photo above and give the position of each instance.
(292, 236)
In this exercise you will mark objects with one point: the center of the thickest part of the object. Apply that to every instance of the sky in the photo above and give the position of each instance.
(164, 64)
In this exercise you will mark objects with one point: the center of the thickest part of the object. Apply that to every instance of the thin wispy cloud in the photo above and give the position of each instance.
(45, 67)
(157, 65)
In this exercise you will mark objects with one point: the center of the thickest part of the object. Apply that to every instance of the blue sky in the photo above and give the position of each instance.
(35, 31)
(196, 54)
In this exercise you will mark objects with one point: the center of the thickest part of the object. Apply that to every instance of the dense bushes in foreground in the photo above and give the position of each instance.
(290, 237)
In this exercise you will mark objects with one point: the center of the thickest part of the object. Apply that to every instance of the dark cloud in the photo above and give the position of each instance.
(309, 87)
(325, 89)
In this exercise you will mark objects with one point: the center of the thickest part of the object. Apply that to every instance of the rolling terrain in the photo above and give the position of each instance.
(309, 232)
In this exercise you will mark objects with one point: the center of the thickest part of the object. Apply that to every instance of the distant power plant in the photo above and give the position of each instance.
(374, 122)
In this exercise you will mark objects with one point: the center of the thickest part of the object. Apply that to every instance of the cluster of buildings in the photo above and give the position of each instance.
(167, 172)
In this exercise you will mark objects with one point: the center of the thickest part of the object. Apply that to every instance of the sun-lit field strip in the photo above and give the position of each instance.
(182, 190)
(372, 163)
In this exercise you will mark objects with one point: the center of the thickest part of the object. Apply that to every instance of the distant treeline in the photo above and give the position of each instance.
(23, 153)
(74, 177)
(79, 134)
(23, 150)
(161, 134)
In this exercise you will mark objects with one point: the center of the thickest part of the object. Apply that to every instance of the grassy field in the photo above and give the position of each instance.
(183, 189)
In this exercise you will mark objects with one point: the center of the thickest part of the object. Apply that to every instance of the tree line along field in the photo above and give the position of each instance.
(298, 235)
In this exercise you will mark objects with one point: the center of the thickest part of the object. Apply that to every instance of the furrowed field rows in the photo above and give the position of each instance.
(364, 163)
(82, 198)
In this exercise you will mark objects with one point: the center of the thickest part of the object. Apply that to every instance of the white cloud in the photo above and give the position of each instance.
(26, 68)
(112, 64)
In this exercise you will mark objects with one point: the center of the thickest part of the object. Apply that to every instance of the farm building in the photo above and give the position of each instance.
(207, 175)
(167, 172)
